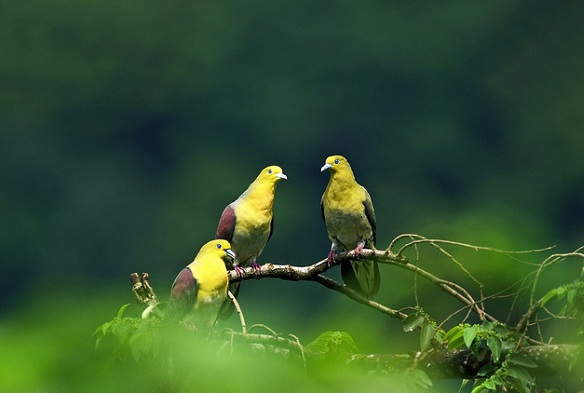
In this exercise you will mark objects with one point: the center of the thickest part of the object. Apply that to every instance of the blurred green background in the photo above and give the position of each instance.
(127, 126)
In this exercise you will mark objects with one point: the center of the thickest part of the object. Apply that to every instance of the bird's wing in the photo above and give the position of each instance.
(370, 214)
(364, 276)
(271, 229)
(182, 295)
(226, 225)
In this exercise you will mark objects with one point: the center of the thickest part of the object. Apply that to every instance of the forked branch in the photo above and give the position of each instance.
(314, 273)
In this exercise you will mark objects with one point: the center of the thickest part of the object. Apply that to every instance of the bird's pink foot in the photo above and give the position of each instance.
(330, 259)
(256, 269)
(239, 270)
(358, 250)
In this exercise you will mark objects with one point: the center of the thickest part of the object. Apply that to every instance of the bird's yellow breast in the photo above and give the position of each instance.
(254, 212)
(344, 210)
(253, 216)
(347, 196)
(212, 279)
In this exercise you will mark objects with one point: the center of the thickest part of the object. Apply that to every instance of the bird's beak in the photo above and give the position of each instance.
(325, 167)
(230, 253)
(281, 175)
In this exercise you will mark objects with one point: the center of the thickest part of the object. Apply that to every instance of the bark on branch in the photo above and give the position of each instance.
(314, 273)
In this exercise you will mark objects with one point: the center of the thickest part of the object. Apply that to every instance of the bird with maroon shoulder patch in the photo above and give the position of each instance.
(248, 223)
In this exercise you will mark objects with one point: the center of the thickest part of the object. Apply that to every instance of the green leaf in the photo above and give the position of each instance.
(333, 342)
(490, 384)
(439, 335)
(348, 343)
(521, 374)
(548, 296)
(479, 389)
(469, 336)
(508, 346)
(103, 329)
(457, 340)
(122, 331)
(494, 343)
(520, 360)
(493, 382)
(501, 329)
(453, 332)
(571, 295)
(412, 322)
(101, 332)
(426, 336)
(122, 309)
(487, 325)
(422, 379)
(486, 370)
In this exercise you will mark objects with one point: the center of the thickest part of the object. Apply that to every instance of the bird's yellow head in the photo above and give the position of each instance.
(272, 173)
(335, 164)
(220, 248)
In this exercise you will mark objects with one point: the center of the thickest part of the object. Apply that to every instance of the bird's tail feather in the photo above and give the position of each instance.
(362, 276)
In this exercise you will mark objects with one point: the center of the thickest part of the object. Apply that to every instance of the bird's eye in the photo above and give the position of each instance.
(269, 171)
(336, 161)
(218, 245)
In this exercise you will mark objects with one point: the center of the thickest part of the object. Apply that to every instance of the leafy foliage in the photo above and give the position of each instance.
(139, 341)
(140, 336)
(573, 296)
(491, 353)
(333, 344)
(512, 375)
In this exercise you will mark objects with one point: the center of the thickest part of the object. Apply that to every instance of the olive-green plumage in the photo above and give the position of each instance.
(350, 222)
(248, 223)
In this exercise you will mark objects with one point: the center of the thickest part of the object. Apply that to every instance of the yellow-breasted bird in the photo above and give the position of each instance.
(348, 213)
(248, 222)
(200, 289)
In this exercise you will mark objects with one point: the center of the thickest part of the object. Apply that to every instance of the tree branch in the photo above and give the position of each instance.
(293, 345)
(144, 292)
(313, 273)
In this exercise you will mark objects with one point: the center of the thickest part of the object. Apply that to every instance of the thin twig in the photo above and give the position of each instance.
(238, 310)
(268, 339)
(420, 239)
(345, 290)
(536, 305)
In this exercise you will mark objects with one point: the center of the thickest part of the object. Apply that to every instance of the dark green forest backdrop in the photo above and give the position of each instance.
(127, 126)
